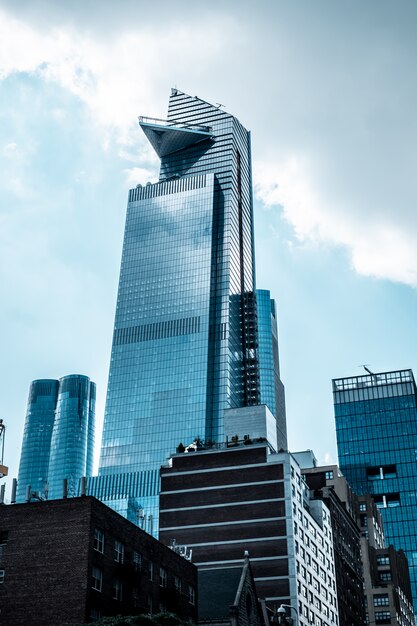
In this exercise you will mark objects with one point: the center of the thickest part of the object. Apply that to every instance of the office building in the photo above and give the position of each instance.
(75, 560)
(185, 343)
(376, 425)
(327, 483)
(242, 495)
(58, 439)
(386, 573)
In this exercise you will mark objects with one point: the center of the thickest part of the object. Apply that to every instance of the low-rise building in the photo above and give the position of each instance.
(74, 560)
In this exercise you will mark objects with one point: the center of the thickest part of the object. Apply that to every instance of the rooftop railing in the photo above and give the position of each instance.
(174, 124)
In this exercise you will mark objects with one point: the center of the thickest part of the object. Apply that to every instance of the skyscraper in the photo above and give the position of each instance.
(271, 388)
(58, 440)
(376, 425)
(36, 444)
(185, 343)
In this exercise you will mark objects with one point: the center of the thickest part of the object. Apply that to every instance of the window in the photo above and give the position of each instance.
(117, 589)
(362, 507)
(137, 561)
(382, 559)
(191, 594)
(382, 617)
(384, 576)
(178, 584)
(329, 475)
(150, 607)
(96, 578)
(163, 577)
(119, 551)
(4, 536)
(136, 597)
(381, 599)
(2, 575)
(150, 570)
(98, 543)
(381, 472)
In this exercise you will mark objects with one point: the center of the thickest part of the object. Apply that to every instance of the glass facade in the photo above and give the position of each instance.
(376, 425)
(271, 388)
(36, 444)
(58, 440)
(185, 343)
(72, 441)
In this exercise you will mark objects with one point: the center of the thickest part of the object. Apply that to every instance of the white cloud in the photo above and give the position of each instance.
(378, 245)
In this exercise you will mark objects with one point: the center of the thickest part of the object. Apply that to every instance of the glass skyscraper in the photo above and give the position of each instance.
(271, 388)
(185, 343)
(36, 444)
(376, 425)
(58, 439)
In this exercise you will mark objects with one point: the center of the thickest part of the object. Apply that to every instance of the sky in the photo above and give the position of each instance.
(328, 90)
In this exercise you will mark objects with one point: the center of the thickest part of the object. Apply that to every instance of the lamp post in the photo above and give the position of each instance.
(281, 614)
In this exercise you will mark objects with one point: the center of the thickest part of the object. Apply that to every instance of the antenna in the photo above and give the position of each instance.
(3, 469)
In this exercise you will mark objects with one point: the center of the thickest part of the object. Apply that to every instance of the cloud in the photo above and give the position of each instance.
(330, 100)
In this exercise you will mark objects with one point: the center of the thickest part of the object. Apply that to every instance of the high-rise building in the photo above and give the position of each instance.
(271, 388)
(185, 343)
(376, 425)
(58, 440)
(36, 444)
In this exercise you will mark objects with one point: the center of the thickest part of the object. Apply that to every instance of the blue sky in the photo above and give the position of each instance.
(329, 92)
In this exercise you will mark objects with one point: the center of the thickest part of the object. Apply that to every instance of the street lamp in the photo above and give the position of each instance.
(282, 614)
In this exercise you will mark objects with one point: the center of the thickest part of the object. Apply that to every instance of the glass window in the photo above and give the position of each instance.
(150, 570)
(96, 578)
(117, 589)
(119, 551)
(98, 543)
(191, 594)
(381, 599)
(178, 584)
(329, 475)
(163, 577)
(2, 575)
(137, 560)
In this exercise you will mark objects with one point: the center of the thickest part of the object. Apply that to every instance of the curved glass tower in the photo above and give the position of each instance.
(36, 445)
(72, 441)
(58, 440)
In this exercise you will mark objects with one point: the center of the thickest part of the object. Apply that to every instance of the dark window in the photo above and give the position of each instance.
(97, 578)
(98, 543)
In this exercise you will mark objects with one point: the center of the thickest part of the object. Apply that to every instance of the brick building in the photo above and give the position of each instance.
(223, 500)
(73, 561)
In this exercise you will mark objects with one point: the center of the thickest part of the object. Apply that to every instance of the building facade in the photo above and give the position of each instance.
(386, 573)
(272, 392)
(327, 484)
(376, 426)
(244, 496)
(58, 439)
(73, 561)
(185, 343)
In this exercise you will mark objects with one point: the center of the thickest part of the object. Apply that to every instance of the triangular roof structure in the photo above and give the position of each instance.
(167, 137)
